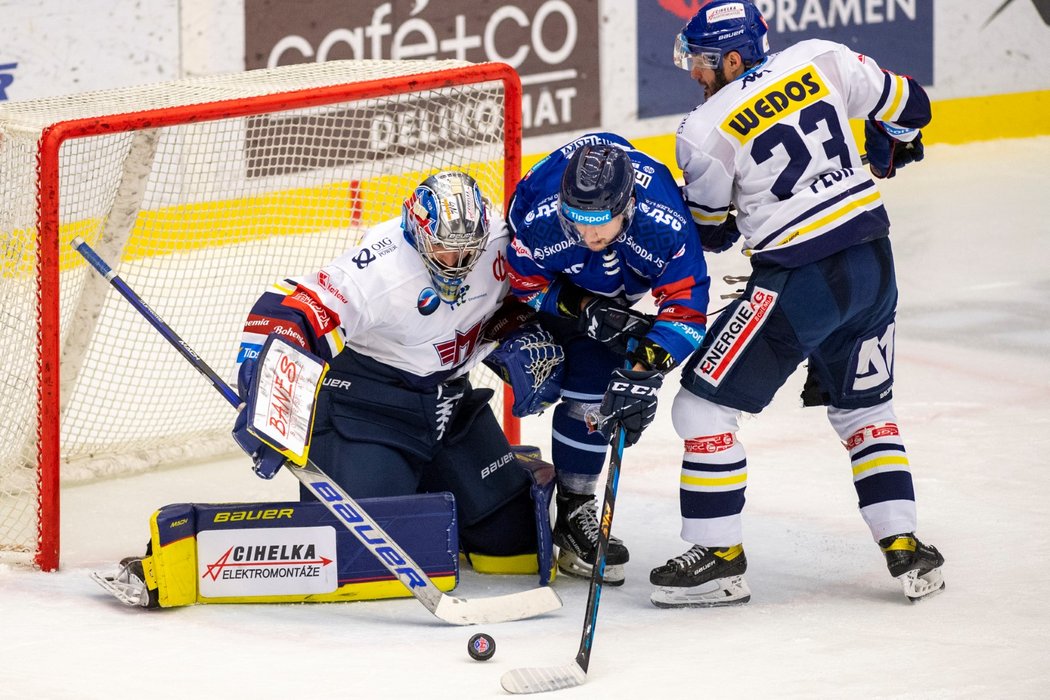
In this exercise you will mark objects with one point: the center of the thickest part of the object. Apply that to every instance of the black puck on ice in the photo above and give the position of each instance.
(481, 647)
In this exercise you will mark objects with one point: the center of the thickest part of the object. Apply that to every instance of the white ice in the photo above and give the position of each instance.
(972, 241)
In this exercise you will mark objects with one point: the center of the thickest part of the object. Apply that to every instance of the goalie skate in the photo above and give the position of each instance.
(128, 584)
(701, 578)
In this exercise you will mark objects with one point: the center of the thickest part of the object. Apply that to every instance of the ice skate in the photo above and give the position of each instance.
(916, 565)
(576, 534)
(703, 577)
(128, 584)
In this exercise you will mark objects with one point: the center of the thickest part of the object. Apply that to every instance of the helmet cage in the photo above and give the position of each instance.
(570, 217)
(596, 187)
(447, 214)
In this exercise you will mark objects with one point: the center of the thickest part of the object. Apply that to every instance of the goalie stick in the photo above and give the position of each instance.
(542, 679)
(451, 609)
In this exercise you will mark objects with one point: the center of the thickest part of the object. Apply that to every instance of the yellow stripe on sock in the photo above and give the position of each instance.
(719, 481)
(879, 462)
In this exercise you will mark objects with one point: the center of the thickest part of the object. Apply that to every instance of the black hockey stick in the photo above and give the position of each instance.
(458, 611)
(541, 679)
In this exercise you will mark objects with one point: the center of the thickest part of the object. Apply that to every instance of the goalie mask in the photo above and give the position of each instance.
(446, 219)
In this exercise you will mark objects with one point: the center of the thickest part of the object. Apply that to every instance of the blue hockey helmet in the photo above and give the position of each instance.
(597, 186)
(718, 28)
(447, 214)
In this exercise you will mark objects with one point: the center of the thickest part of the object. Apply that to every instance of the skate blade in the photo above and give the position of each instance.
(132, 593)
(574, 566)
(917, 588)
(719, 593)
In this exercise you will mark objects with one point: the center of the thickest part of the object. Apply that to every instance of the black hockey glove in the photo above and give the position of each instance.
(267, 461)
(629, 403)
(885, 153)
(612, 323)
(651, 356)
(718, 239)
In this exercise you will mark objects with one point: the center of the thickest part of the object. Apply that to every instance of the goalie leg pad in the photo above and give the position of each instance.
(293, 552)
(541, 491)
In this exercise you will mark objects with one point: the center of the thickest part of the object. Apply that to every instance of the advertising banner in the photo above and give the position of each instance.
(553, 44)
(898, 34)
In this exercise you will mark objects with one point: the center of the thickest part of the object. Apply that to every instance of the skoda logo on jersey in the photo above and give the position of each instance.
(428, 302)
(364, 258)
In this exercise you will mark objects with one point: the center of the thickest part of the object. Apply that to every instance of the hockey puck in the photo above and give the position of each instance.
(481, 647)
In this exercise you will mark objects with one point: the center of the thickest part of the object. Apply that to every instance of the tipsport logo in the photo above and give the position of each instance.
(6, 78)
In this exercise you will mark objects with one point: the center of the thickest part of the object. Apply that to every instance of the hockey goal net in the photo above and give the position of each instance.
(200, 193)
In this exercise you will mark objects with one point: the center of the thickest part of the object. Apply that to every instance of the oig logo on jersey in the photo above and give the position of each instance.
(364, 258)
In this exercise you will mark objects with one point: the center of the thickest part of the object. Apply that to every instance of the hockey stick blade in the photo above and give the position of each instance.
(500, 608)
(523, 681)
(458, 611)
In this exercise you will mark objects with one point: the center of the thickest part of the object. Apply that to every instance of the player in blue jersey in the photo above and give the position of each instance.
(771, 140)
(598, 225)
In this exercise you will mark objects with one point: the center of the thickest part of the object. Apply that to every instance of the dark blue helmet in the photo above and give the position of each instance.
(718, 28)
(598, 185)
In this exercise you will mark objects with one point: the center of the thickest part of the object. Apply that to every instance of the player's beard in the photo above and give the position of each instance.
(720, 81)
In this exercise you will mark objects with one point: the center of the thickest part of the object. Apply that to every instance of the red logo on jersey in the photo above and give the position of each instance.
(456, 351)
(325, 281)
(499, 267)
(320, 317)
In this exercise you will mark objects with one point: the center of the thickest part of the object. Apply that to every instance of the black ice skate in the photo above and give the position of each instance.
(128, 584)
(916, 565)
(703, 577)
(576, 534)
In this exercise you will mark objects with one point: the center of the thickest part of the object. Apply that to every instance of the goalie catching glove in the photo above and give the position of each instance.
(532, 364)
(629, 403)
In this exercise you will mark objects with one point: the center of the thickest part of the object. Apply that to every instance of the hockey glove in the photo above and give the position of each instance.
(612, 323)
(629, 403)
(651, 356)
(887, 153)
(266, 460)
(533, 364)
(718, 239)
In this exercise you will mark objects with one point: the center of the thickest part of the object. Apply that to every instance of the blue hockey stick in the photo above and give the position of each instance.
(459, 611)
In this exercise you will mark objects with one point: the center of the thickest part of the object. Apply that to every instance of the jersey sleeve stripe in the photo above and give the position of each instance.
(705, 219)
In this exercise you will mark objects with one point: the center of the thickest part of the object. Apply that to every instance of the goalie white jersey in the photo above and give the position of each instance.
(378, 299)
(798, 198)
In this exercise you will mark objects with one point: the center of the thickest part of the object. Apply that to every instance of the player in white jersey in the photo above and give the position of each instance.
(402, 319)
(771, 140)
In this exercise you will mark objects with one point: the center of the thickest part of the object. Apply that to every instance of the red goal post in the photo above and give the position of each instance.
(200, 193)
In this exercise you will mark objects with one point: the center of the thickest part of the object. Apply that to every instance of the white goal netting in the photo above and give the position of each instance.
(200, 194)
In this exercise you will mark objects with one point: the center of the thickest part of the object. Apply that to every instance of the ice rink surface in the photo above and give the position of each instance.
(971, 233)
